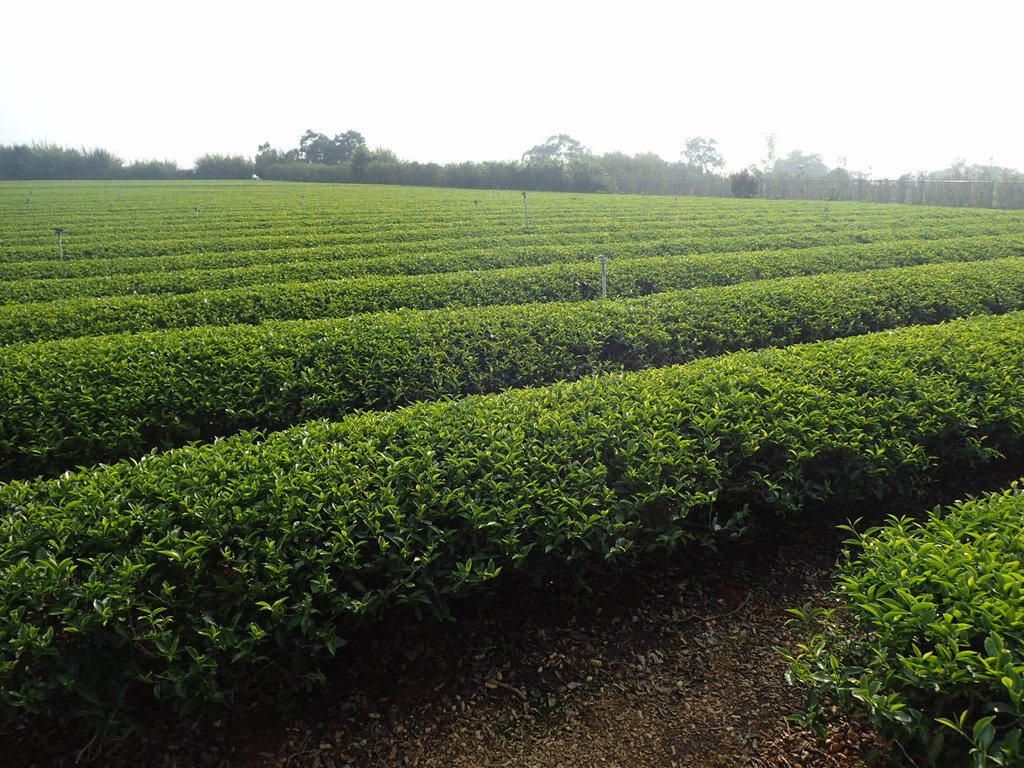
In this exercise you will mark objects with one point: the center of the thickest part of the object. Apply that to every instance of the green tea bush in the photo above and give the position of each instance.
(127, 276)
(191, 575)
(927, 638)
(168, 233)
(82, 401)
(86, 316)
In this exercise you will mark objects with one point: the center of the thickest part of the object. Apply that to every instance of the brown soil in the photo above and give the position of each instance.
(677, 665)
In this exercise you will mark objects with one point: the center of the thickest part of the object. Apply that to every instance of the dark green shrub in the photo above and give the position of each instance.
(87, 400)
(85, 316)
(188, 576)
(928, 636)
(744, 184)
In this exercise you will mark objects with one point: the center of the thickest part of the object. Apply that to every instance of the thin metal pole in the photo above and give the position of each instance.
(526, 214)
(60, 240)
(604, 275)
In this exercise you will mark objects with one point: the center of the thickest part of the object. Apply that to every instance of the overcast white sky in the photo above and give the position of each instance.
(891, 86)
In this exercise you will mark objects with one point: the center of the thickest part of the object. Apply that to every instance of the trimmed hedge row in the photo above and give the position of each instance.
(49, 280)
(556, 282)
(88, 400)
(332, 231)
(193, 280)
(928, 639)
(434, 242)
(195, 573)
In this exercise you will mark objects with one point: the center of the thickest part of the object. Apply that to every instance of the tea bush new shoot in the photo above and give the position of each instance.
(928, 636)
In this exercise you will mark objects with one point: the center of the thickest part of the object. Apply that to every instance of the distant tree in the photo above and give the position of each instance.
(770, 153)
(266, 156)
(586, 174)
(349, 146)
(383, 155)
(959, 170)
(618, 167)
(314, 147)
(100, 164)
(317, 148)
(797, 164)
(543, 174)
(15, 162)
(223, 167)
(359, 158)
(642, 173)
(151, 169)
(295, 170)
(703, 155)
(956, 172)
(384, 167)
(744, 183)
(559, 148)
(49, 161)
(426, 174)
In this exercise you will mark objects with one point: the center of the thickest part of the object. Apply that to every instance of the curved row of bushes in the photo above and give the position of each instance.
(499, 250)
(87, 400)
(335, 231)
(192, 280)
(195, 573)
(555, 282)
(928, 637)
(433, 236)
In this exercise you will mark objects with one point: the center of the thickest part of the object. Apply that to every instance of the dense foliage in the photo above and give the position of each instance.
(49, 161)
(134, 276)
(207, 224)
(195, 573)
(559, 164)
(37, 321)
(92, 399)
(177, 582)
(928, 636)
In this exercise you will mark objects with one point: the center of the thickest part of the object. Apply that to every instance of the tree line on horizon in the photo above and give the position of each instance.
(560, 163)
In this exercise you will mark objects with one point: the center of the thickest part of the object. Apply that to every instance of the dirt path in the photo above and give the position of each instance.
(673, 666)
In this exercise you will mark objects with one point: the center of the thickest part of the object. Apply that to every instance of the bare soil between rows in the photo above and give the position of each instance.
(674, 663)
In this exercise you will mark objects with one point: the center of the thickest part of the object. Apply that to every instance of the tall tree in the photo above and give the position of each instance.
(799, 164)
(315, 147)
(318, 148)
(266, 156)
(770, 157)
(347, 147)
(559, 148)
(703, 155)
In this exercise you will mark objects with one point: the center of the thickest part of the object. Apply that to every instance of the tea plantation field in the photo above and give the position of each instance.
(240, 422)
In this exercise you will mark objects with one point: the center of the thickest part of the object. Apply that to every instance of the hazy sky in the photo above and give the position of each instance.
(890, 86)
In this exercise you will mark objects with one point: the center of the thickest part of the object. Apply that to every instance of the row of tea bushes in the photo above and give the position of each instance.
(389, 253)
(39, 321)
(49, 279)
(88, 400)
(192, 574)
(181, 219)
